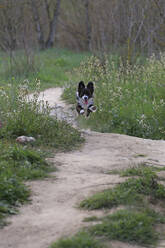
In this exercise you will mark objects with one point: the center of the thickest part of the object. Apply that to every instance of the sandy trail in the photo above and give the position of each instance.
(53, 213)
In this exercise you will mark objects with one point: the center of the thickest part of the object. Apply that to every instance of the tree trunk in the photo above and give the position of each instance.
(40, 35)
(53, 26)
(88, 26)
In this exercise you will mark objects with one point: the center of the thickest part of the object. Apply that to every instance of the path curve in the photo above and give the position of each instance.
(53, 213)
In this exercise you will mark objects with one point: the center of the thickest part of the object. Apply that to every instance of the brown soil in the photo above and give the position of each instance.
(53, 212)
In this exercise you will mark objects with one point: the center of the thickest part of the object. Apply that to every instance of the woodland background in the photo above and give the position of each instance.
(131, 27)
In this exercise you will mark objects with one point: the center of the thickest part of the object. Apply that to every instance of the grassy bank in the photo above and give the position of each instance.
(22, 115)
(130, 98)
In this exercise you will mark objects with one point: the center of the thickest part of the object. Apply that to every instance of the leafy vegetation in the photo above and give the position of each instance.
(130, 98)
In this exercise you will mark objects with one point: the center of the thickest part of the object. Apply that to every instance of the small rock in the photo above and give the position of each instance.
(25, 139)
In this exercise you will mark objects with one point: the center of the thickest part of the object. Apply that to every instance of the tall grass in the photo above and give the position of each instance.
(52, 66)
(21, 115)
(130, 98)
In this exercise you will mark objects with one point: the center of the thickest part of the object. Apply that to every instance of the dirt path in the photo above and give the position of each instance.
(53, 211)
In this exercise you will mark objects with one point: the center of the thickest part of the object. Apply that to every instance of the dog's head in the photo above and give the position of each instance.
(85, 92)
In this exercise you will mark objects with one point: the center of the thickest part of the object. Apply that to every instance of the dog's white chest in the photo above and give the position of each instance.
(84, 104)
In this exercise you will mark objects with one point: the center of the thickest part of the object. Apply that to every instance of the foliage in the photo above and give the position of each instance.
(130, 99)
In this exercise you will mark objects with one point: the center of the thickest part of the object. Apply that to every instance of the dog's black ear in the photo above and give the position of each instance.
(90, 86)
(81, 86)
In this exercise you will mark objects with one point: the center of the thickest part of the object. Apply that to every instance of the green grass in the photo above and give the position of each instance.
(18, 164)
(137, 222)
(52, 67)
(91, 218)
(130, 192)
(129, 226)
(130, 99)
(141, 170)
(137, 170)
(80, 240)
(20, 116)
(23, 162)
(119, 195)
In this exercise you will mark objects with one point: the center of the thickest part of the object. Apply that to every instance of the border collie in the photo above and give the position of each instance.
(84, 97)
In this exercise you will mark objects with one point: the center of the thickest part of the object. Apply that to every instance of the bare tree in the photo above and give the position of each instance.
(53, 25)
(124, 25)
(88, 25)
(38, 26)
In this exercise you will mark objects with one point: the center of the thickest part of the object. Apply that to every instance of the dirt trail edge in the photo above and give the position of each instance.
(53, 213)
